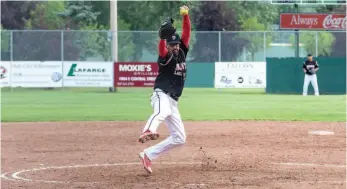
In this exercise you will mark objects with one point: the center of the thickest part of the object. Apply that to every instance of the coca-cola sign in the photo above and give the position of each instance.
(313, 21)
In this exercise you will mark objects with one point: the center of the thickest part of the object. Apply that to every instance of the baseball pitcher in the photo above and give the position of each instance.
(310, 67)
(168, 88)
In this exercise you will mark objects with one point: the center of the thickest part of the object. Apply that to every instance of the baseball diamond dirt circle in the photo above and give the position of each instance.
(228, 154)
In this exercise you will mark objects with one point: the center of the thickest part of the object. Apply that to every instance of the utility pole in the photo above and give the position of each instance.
(114, 32)
(297, 42)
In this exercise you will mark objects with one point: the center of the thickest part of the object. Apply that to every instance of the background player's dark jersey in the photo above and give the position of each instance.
(310, 65)
(172, 72)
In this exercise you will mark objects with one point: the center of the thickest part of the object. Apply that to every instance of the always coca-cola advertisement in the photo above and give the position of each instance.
(313, 21)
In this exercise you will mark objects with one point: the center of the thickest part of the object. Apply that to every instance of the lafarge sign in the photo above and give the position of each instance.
(88, 74)
(313, 21)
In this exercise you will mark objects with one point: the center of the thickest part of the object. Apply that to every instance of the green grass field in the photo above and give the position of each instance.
(196, 104)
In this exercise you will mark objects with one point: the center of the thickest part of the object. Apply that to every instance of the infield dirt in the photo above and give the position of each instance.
(217, 155)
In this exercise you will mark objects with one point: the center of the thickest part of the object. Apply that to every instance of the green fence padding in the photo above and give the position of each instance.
(200, 75)
(285, 75)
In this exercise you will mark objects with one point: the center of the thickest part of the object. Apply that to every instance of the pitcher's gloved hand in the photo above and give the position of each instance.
(167, 29)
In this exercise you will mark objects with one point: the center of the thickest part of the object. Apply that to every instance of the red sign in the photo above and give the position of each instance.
(135, 74)
(313, 21)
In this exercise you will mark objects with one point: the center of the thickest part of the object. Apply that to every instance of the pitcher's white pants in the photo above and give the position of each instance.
(165, 109)
(313, 80)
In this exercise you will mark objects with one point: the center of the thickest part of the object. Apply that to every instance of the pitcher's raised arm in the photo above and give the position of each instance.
(186, 25)
(162, 50)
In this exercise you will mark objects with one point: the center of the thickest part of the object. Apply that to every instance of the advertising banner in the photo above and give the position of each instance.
(135, 74)
(88, 74)
(36, 74)
(5, 73)
(313, 21)
(240, 75)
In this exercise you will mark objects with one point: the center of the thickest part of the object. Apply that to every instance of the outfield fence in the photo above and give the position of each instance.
(56, 59)
(141, 46)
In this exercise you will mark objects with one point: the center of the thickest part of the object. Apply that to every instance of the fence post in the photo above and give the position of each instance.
(264, 46)
(62, 45)
(219, 47)
(11, 42)
(62, 56)
(11, 58)
(316, 44)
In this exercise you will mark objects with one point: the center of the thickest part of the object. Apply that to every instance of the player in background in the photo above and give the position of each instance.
(168, 88)
(310, 67)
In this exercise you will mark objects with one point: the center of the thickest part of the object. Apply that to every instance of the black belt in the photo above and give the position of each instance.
(171, 95)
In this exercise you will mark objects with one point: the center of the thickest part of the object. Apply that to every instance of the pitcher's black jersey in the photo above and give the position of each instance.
(172, 72)
(310, 65)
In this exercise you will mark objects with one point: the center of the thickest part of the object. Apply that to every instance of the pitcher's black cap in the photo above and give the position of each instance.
(309, 54)
(174, 39)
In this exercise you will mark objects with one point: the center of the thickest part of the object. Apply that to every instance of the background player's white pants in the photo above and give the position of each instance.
(165, 109)
(313, 80)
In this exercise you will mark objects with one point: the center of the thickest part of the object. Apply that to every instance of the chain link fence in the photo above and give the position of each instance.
(142, 46)
(6, 45)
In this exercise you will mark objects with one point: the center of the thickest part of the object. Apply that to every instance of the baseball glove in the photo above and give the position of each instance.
(312, 71)
(167, 29)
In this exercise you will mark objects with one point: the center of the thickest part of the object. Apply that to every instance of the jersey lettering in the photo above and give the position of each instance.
(310, 65)
(172, 72)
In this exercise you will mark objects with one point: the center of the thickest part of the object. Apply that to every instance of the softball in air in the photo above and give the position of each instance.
(184, 10)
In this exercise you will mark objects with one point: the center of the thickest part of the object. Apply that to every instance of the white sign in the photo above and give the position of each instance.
(36, 74)
(88, 74)
(240, 75)
(5, 73)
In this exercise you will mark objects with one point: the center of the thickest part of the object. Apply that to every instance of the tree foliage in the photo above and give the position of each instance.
(339, 45)
(79, 13)
(13, 13)
(44, 16)
(5, 44)
(265, 13)
(42, 45)
(103, 8)
(308, 39)
(215, 16)
(146, 15)
(255, 39)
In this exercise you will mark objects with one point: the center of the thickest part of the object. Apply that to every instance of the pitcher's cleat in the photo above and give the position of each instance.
(146, 162)
(148, 135)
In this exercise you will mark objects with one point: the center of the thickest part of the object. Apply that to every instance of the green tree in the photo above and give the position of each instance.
(13, 13)
(126, 47)
(215, 16)
(308, 39)
(91, 44)
(79, 14)
(42, 45)
(5, 44)
(102, 7)
(265, 13)
(99, 43)
(255, 39)
(44, 16)
(148, 15)
(339, 45)
(144, 15)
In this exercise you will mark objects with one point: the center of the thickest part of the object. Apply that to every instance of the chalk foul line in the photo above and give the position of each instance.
(310, 165)
(15, 175)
